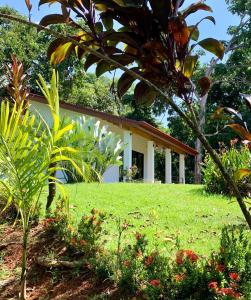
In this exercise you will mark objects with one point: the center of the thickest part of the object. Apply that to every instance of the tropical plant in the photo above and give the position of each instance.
(233, 160)
(27, 151)
(52, 96)
(98, 149)
(155, 36)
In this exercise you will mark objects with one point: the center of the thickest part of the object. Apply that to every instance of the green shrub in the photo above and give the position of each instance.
(138, 269)
(232, 159)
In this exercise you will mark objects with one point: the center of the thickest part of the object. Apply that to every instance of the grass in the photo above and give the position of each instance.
(165, 213)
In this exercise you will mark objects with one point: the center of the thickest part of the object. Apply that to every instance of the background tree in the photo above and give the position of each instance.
(30, 47)
(227, 80)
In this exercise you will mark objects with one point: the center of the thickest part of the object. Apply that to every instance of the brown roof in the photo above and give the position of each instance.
(140, 127)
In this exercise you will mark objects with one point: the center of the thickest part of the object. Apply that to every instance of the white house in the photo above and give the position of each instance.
(140, 139)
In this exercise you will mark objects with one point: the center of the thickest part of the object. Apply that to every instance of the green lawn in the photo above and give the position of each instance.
(162, 212)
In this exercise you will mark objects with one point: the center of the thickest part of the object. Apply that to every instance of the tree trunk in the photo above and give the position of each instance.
(52, 188)
(198, 146)
(22, 295)
(197, 163)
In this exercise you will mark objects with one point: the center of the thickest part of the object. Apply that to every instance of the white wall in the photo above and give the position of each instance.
(111, 174)
(139, 143)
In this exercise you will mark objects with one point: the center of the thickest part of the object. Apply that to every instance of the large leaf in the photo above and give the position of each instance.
(103, 67)
(128, 38)
(194, 32)
(28, 4)
(189, 65)
(195, 7)
(241, 131)
(61, 53)
(144, 94)
(161, 10)
(213, 46)
(53, 19)
(125, 82)
(177, 26)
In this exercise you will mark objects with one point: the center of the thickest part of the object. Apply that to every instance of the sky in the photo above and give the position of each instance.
(221, 14)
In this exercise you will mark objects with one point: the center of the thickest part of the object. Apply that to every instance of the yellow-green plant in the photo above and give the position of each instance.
(28, 148)
(58, 129)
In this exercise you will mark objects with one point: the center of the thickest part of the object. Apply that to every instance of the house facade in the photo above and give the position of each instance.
(140, 141)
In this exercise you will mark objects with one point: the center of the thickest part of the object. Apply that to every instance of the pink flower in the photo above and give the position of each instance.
(154, 282)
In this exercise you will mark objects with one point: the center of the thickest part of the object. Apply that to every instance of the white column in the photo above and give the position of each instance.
(149, 174)
(182, 169)
(128, 150)
(168, 166)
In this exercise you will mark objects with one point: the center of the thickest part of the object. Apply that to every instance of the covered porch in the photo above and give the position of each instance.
(141, 150)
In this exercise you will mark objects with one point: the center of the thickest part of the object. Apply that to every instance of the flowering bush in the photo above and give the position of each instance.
(151, 273)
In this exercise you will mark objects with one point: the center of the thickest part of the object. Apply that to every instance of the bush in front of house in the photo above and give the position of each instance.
(152, 273)
(233, 159)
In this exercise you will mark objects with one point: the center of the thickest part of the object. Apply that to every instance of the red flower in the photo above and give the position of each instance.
(149, 260)
(213, 285)
(138, 236)
(139, 253)
(82, 242)
(179, 277)
(191, 255)
(234, 276)
(154, 282)
(188, 253)
(73, 241)
(127, 263)
(220, 268)
(228, 292)
(179, 257)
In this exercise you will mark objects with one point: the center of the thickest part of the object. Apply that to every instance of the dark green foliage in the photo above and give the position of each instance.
(155, 37)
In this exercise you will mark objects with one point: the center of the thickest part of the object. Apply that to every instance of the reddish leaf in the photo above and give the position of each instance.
(241, 131)
(177, 26)
(204, 84)
(28, 4)
(213, 46)
(195, 7)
